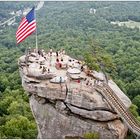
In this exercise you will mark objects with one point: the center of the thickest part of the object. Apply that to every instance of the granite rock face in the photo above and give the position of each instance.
(56, 122)
(69, 109)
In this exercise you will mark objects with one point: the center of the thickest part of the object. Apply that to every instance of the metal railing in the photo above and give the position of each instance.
(119, 107)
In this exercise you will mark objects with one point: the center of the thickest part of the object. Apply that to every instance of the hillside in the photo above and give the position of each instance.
(72, 26)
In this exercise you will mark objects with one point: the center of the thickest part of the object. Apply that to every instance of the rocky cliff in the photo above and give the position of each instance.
(64, 101)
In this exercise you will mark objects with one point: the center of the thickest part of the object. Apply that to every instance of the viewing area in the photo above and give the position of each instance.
(59, 68)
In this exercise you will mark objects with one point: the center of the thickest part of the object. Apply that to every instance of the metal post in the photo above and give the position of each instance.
(36, 33)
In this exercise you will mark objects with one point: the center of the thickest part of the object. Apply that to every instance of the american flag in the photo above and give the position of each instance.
(26, 27)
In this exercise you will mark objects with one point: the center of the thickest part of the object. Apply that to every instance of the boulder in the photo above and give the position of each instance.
(73, 71)
(52, 124)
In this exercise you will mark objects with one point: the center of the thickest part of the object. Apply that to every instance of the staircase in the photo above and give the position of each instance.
(119, 107)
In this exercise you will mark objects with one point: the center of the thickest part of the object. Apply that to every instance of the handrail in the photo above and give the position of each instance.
(119, 107)
(123, 105)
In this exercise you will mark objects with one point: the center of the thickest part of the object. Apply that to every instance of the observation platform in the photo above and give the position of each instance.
(61, 72)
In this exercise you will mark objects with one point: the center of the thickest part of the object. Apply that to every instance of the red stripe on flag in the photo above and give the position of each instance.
(25, 29)
(28, 30)
(22, 22)
(22, 27)
(23, 38)
(26, 35)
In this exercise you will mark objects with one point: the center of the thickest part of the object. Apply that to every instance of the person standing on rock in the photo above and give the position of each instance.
(44, 70)
(50, 60)
(56, 54)
(50, 52)
(63, 52)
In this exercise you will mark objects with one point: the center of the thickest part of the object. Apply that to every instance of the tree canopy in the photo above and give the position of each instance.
(84, 35)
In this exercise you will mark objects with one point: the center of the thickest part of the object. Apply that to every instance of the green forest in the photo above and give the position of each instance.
(84, 35)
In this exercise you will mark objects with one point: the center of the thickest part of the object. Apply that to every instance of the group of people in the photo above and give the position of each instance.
(59, 62)
(90, 81)
(48, 56)
(44, 69)
(59, 58)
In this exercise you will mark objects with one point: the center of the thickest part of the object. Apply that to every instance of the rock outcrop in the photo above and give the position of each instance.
(63, 100)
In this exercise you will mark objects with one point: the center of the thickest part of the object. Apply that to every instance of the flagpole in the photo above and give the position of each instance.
(36, 33)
